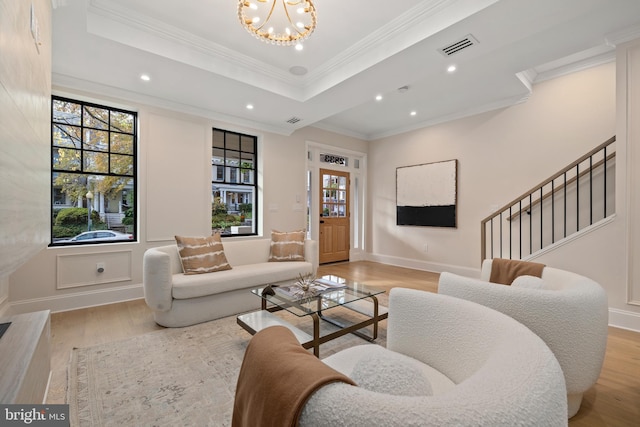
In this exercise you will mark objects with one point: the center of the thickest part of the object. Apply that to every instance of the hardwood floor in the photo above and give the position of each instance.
(613, 401)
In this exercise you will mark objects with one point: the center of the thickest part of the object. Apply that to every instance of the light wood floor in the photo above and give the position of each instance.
(613, 401)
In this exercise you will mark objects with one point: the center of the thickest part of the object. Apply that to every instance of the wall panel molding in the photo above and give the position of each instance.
(78, 270)
(631, 67)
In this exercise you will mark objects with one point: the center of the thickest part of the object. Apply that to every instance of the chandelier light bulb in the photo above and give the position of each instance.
(270, 21)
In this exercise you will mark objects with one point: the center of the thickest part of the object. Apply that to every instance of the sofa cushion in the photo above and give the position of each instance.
(345, 361)
(241, 277)
(287, 246)
(200, 255)
(391, 373)
(529, 282)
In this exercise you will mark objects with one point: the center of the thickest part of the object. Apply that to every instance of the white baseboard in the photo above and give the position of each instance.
(79, 300)
(5, 308)
(617, 318)
(624, 319)
(357, 255)
(424, 265)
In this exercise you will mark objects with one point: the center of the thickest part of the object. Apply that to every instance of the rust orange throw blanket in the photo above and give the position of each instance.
(276, 378)
(505, 271)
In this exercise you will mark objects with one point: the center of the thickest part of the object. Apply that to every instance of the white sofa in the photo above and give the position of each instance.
(484, 368)
(181, 300)
(569, 312)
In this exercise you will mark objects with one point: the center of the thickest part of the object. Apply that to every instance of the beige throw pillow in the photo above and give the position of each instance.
(287, 246)
(202, 254)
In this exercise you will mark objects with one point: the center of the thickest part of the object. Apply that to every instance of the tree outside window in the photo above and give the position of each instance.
(93, 154)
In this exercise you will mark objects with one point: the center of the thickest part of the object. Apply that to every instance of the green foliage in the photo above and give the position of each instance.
(71, 221)
(128, 216)
(224, 221)
(64, 231)
(74, 216)
(246, 208)
(218, 207)
(130, 212)
(54, 214)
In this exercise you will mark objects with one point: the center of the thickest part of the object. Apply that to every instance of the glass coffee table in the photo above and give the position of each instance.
(332, 292)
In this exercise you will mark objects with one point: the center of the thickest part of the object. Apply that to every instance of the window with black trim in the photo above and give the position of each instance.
(234, 187)
(93, 173)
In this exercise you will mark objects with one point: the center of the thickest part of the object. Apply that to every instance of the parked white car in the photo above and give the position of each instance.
(98, 235)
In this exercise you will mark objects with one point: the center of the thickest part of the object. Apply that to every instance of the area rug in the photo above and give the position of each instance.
(173, 377)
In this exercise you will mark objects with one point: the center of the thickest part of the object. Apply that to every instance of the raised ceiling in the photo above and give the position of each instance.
(201, 61)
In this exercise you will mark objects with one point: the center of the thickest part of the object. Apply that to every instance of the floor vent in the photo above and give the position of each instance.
(459, 45)
(294, 120)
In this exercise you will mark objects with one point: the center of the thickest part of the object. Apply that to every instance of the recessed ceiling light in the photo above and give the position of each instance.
(451, 68)
(145, 77)
(249, 106)
(378, 97)
(413, 113)
(299, 46)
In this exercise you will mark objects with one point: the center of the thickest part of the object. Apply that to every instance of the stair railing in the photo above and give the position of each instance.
(534, 223)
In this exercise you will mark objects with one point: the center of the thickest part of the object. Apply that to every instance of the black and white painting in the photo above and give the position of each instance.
(426, 194)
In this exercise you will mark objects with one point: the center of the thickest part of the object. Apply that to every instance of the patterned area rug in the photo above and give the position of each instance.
(174, 377)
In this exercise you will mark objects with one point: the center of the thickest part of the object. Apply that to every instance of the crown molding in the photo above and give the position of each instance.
(623, 36)
(63, 82)
(589, 58)
(341, 131)
(413, 26)
(110, 21)
(502, 103)
(126, 26)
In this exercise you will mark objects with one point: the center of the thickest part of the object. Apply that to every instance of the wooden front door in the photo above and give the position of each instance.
(334, 216)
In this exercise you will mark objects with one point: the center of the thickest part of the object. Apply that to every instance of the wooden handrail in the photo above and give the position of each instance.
(483, 233)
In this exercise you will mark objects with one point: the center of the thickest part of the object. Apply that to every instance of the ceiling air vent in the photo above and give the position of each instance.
(294, 120)
(459, 45)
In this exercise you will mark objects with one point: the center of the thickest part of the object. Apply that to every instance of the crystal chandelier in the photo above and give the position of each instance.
(280, 22)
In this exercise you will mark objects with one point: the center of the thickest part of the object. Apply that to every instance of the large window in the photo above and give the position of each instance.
(93, 173)
(234, 188)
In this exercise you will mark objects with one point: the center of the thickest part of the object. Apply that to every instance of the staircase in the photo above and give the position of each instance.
(577, 197)
(114, 221)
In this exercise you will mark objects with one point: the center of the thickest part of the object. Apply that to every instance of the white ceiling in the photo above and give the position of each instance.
(202, 61)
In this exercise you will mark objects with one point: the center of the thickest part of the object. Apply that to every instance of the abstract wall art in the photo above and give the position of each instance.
(426, 194)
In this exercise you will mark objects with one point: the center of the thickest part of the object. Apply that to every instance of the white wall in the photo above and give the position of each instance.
(174, 198)
(502, 154)
(25, 93)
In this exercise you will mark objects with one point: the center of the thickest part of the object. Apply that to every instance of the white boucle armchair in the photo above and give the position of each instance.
(499, 372)
(569, 312)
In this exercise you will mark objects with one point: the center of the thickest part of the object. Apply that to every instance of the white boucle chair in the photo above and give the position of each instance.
(569, 312)
(485, 369)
